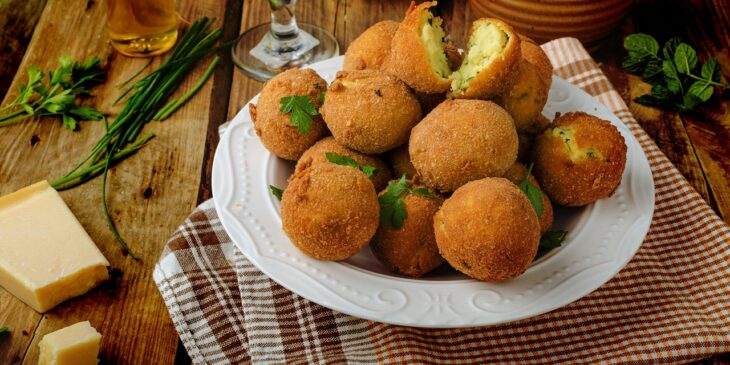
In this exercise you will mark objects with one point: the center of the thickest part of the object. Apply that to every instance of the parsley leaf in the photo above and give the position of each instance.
(338, 159)
(57, 96)
(276, 192)
(534, 194)
(674, 85)
(392, 207)
(301, 109)
(552, 239)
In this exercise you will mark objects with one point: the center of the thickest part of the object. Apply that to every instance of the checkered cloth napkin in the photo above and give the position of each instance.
(671, 304)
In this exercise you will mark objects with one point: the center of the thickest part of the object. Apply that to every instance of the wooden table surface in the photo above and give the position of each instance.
(153, 191)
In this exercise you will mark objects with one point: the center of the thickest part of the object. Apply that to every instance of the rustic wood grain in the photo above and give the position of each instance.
(149, 194)
(17, 22)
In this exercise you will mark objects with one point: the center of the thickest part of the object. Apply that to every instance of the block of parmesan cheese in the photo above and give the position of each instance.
(77, 344)
(46, 256)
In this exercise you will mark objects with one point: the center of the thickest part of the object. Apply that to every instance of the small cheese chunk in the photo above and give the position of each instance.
(77, 344)
(46, 256)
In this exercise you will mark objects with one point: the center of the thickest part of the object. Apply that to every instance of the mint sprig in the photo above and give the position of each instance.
(675, 85)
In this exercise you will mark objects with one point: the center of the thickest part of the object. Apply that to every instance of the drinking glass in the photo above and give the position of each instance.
(270, 48)
(142, 28)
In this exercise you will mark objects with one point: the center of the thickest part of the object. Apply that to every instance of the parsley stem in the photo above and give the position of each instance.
(13, 117)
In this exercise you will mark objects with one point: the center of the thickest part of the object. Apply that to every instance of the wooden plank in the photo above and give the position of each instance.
(150, 193)
(17, 22)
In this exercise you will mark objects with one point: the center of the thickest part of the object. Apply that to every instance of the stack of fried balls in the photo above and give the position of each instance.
(422, 152)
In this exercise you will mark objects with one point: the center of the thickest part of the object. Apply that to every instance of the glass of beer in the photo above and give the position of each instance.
(142, 28)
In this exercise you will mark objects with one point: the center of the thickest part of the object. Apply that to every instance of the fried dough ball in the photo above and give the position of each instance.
(488, 230)
(532, 53)
(411, 249)
(463, 140)
(318, 154)
(274, 127)
(516, 174)
(491, 61)
(330, 212)
(417, 54)
(370, 111)
(369, 49)
(400, 162)
(579, 159)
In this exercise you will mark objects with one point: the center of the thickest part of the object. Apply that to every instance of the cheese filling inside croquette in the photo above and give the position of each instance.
(574, 151)
(488, 41)
(432, 37)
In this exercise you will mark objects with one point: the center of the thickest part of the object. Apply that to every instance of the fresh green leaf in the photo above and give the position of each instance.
(69, 122)
(534, 194)
(301, 109)
(338, 159)
(641, 45)
(370, 171)
(86, 113)
(4, 330)
(701, 89)
(711, 70)
(652, 69)
(690, 101)
(276, 192)
(552, 239)
(321, 96)
(671, 78)
(685, 58)
(670, 46)
(392, 206)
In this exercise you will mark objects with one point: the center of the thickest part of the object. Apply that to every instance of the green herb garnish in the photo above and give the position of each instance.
(148, 95)
(4, 330)
(392, 208)
(534, 194)
(57, 96)
(552, 239)
(337, 159)
(276, 191)
(674, 85)
(301, 109)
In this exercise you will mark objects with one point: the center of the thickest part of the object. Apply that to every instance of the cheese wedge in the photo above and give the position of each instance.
(46, 256)
(77, 344)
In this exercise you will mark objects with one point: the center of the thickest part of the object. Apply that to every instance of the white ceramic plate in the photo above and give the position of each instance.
(602, 238)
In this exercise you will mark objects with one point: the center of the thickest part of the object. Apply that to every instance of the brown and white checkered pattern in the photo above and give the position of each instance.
(671, 304)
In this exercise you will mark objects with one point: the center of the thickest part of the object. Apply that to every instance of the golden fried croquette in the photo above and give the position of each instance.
(526, 98)
(516, 174)
(329, 211)
(417, 54)
(400, 162)
(369, 49)
(463, 140)
(490, 63)
(488, 230)
(411, 249)
(532, 53)
(579, 159)
(274, 127)
(318, 154)
(370, 111)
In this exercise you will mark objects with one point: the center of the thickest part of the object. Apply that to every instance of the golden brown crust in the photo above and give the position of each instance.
(463, 140)
(330, 212)
(589, 176)
(532, 52)
(500, 74)
(526, 98)
(408, 59)
(400, 163)
(516, 174)
(410, 250)
(369, 49)
(501, 244)
(318, 154)
(370, 111)
(274, 127)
